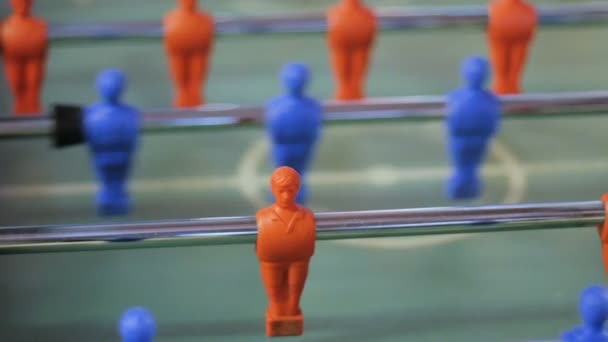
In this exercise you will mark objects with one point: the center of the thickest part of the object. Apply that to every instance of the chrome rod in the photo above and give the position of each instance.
(409, 107)
(330, 226)
(399, 18)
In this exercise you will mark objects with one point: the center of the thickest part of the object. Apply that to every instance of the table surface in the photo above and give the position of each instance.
(482, 287)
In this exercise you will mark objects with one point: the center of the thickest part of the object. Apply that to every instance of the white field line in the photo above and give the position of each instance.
(390, 175)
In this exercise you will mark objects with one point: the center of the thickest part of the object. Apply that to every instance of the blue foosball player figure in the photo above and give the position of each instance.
(593, 308)
(473, 117)
(111, 129)
(293, 124)
(137, 325)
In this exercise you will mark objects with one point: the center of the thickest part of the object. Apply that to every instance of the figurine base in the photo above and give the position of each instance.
(284, 326)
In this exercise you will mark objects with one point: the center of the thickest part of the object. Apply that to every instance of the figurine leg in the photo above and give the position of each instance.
(298, 271)
(284, 283)
(463, 185)
(178, 67)
(341, 64)
(274, 276)
(34, 77)
(199, 65)
(15, 71)
(605, 256)
(113, 198)
(110, 203)
(360, 67)
(518, 57)
(500, 58)
(467, 154)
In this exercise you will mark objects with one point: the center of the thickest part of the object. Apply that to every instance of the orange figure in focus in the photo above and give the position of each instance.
(351, 33)
(189, 36)
(24, 41)
(511, 28)
(285, 244)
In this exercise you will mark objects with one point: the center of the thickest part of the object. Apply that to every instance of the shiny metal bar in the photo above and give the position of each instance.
(389, 19)
(409, 107)
(330, 226)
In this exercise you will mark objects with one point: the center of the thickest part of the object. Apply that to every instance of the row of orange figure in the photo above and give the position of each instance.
(189, 38)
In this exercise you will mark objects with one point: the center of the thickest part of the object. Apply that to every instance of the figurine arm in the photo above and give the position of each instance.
(258, 219)
(602, 229)
(313, 222)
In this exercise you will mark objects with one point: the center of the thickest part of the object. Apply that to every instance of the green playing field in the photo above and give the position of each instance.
(492, 287)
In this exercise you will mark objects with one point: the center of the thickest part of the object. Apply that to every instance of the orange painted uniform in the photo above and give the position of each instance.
(24, 41)
(189, 38)
(511, 27)
(352, 31)
(285, 244)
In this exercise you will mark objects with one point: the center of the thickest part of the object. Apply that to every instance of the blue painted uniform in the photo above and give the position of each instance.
(473, 117)
(293, 123)
(137, 325)
(593, 308)
(111, 129)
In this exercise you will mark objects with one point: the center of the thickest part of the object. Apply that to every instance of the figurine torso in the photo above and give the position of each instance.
(292, 120)
(472, 113)
(24, 37)
(285, 238)
(511, 19)
(112, 131)
(188, 31)
(351, 26)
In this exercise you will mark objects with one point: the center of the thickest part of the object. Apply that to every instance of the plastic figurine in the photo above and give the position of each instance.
(189, 37)
(293, 123)
(112, 129)
(352, 31)
(511, 28)
(473, 116)
(24, 41)
(137, 325)
(285, 244)
(593, 308)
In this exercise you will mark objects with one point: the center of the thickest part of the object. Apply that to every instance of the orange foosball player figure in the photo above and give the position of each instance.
(285, 244)
(511, 28)
(189, 36)
(351, 33)
(24, 41)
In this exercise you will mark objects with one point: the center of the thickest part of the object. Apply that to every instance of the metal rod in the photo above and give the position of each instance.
(389, 19)
(409, 107)
(330, 226)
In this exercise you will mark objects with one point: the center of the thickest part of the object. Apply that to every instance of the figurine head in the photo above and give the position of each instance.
(285, 184)
(593, 306)
(137, 325)
(21, 7)
(188, 5)
(295, 78)
(111, 84)
(475, 72)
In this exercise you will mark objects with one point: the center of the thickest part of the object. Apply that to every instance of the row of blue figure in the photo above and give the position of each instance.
(294, 123)
(138, 325)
